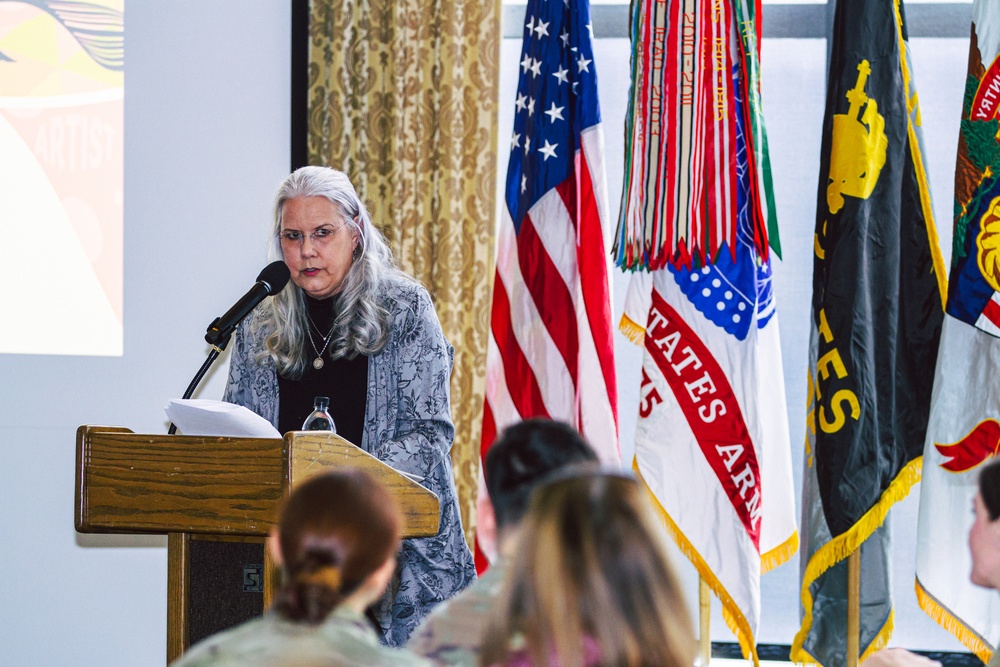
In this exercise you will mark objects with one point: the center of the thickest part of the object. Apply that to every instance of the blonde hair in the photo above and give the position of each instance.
(590, 568)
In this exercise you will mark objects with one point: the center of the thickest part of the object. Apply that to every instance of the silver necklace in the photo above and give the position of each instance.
(318, 361)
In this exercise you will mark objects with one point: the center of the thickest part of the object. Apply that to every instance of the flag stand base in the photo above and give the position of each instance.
(704, 622)
(853, 607)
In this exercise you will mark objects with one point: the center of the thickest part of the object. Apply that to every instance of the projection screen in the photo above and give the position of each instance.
(61, 176)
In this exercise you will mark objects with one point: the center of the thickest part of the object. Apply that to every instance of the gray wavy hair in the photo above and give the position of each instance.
(362, 324)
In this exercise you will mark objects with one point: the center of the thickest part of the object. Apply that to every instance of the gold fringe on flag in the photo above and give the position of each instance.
(734, 618)
(842, 546)
(946, 620)
(780, 554)
(926, 205)
(631, 330)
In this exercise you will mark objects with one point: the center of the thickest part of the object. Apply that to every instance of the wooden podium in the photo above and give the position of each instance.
(211, 486)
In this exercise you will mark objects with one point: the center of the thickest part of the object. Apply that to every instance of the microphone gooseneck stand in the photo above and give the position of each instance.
(270, 281)
(212, 356)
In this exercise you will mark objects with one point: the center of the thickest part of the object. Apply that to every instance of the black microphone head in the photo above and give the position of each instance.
(275, 276)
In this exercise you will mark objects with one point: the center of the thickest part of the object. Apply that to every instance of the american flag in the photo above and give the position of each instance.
(550, 351)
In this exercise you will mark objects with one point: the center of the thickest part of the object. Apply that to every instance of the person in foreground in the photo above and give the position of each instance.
(590, 583)
(520, 458)
(336, 542)
(984, 536)
(984, 546)
(354, 328)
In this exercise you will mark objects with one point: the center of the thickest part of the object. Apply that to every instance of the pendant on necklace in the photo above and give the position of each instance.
(318, 363)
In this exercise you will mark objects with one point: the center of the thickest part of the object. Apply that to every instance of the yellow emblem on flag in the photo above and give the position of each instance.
(859, 146)
(988, 243)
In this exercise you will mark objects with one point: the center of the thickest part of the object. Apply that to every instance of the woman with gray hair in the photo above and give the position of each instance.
(356, 329)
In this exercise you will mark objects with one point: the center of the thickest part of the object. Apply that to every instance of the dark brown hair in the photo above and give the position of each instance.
(335, 530)
(523, 455)
(590, 569)
(989, 488)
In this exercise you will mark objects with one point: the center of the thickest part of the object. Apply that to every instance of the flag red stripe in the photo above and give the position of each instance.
(704, 395)
(521, 382)
(594, 281)
(567, 191)
(482, 562)
(550, 293)
(489, 433)
(992, 312)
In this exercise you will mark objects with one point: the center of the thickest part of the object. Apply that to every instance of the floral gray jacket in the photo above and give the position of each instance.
(407, 425)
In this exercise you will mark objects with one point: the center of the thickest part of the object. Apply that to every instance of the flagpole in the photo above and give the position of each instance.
(705, 620)
(853, 606)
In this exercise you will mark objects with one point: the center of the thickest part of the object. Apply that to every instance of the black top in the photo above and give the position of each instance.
(344, 381)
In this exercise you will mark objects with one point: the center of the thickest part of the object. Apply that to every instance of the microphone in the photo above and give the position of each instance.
(271, 280)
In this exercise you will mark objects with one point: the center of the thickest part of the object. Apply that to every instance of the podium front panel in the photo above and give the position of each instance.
(180, 484)
(226, 585)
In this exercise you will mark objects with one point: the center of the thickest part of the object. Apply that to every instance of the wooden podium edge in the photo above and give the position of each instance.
(178, 592)
(421, 519)
(80, 505)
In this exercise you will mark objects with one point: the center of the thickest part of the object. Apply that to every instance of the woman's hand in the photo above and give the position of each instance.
(898, 657)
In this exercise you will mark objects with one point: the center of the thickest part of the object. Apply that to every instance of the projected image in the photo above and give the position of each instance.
(61, 112)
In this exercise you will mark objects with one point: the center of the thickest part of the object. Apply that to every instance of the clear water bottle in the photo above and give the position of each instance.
(320, 419)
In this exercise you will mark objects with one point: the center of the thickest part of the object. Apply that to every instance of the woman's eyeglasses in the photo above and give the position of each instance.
(319, 236)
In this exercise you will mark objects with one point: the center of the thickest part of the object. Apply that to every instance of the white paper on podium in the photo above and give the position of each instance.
(200, 416)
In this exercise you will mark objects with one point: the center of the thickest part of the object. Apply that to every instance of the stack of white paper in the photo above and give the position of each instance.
(199, 416)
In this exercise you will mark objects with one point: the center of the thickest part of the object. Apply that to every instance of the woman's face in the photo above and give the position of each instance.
(317, 245)
(984, 543)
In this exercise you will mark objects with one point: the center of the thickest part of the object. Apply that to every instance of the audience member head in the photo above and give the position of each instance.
(984, 536)
(984, 545)
(336, 539)
(524, 454)
(590, 582)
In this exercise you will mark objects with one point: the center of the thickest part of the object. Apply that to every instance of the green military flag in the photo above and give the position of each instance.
(878, 286)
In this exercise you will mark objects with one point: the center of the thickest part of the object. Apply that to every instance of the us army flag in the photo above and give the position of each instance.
(877, 311)
(712, 442)
(964, 428)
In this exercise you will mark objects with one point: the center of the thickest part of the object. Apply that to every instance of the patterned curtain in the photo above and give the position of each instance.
(403, 97)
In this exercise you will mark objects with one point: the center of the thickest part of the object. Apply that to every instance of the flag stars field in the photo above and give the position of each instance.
(555, 45)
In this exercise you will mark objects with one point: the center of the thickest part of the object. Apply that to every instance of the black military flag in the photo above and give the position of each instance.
(877, 313)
